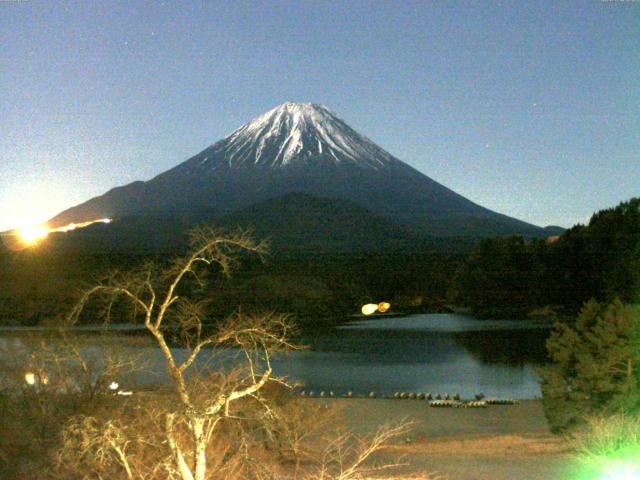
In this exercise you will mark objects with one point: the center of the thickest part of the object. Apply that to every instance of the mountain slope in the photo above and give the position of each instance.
(301, 148)
(298, 222)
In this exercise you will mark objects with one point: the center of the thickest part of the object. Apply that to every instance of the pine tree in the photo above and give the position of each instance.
(596, 365)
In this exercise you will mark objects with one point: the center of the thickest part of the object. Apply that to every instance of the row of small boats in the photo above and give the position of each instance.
(435, 400)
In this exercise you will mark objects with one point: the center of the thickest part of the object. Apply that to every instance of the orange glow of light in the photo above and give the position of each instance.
(383, 307)
(74, 226)
(31, 235)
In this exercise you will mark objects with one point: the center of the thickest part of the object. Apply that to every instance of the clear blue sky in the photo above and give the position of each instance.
(529, 108)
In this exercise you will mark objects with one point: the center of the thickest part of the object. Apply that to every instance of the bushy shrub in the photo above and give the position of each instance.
(608, 447)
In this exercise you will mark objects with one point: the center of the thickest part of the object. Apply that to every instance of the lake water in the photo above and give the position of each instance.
(435, 353)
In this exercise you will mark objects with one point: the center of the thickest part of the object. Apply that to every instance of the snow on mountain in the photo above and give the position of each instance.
(298, 132)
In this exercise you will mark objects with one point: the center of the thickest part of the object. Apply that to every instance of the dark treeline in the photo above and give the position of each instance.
(499, 277)
(508, 276)
(40, 284)
(333, 285)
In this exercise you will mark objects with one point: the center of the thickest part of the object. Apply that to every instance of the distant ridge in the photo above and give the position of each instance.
(297, 221)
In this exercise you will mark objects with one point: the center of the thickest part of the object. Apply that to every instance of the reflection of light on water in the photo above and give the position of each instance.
(444, 322)
(361, 361)
(32, 235)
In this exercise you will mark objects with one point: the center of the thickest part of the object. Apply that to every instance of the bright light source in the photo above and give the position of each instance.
(383, 307)
(30, 378)
(113, 386)
(32, 234)
(369, 308)
(74, 226)
(622, 470)
(67, 228)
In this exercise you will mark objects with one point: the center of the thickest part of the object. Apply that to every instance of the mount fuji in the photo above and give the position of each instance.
(300, 148)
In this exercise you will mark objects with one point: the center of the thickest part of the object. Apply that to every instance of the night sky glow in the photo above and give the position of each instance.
(531, 109)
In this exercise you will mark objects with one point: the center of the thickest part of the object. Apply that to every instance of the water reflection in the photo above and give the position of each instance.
(431, 353)
(506, 347)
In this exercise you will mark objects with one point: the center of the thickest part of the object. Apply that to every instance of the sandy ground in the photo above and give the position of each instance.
(494, 443)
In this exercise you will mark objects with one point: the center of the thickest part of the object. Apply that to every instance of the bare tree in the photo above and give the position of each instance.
(213, 420)
(163, 298)
(349, 458)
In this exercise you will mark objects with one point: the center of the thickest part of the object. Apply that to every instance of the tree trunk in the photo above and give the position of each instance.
(183, 468)
(200, 448)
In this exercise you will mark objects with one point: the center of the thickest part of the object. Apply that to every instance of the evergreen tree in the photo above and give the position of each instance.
(508, 276)
(499, 278)
(596, 365)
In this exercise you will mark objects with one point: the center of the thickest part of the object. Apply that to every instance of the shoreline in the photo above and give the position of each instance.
(500, 442)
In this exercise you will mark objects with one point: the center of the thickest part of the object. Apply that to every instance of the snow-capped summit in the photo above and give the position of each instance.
(294, 133)
(299, 148)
